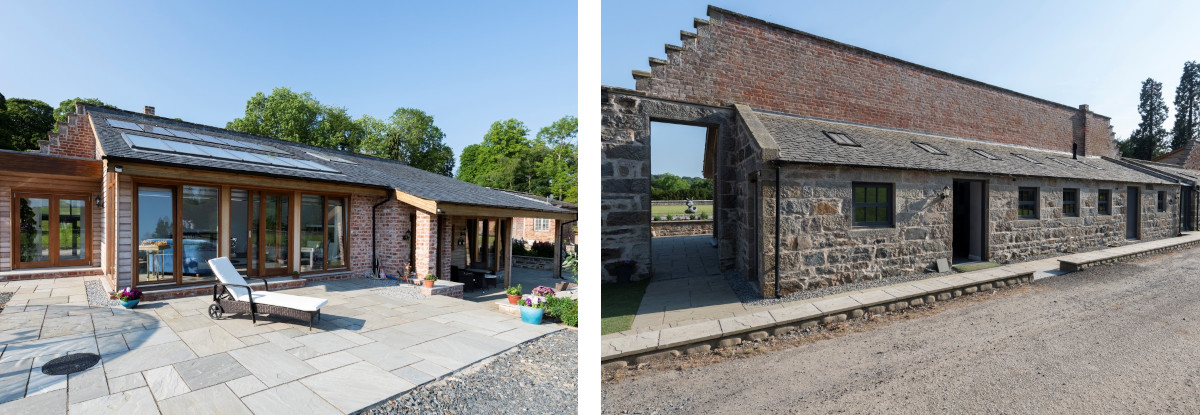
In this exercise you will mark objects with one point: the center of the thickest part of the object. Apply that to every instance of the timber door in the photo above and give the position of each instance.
(50, 231)
(259, 241)
(1133, 209)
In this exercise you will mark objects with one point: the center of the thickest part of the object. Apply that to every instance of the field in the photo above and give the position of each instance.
(663, 211)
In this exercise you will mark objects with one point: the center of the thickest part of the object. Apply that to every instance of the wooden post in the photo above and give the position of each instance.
(558, 247)
(508, 253)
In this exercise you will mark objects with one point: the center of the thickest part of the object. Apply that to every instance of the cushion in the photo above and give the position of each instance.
(294, 302)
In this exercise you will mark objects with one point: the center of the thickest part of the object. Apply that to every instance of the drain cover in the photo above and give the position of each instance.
(70, 363)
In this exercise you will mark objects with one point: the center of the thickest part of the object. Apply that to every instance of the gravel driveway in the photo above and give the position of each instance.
(1114, 339)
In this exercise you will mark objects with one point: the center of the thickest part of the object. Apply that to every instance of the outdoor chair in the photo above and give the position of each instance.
(231, 294)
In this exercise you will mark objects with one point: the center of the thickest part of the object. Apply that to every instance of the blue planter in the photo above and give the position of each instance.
(532, 315)
(130, 303)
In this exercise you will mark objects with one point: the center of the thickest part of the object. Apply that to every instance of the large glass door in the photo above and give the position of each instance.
(51, 231)
(177, 228)
(274, 234)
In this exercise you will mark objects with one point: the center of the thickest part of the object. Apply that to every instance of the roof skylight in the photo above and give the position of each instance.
(124, 125)
(841, 139)
(144, 143)
(1060, 161)
(985, 154)
(930, 149)
(1026, 158)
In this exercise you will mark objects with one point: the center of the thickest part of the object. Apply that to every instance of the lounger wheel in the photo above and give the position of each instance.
(215, 311)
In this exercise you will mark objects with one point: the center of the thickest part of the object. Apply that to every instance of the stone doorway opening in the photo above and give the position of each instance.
(970, 221)
(1133, 210)
(682, 208)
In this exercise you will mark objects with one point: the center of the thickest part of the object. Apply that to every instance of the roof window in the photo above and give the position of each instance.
(985, 154)
(1026, 158)
(841, 139)
(930, 149)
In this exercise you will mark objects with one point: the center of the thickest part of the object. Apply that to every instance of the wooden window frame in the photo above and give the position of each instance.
(177, 240)
(1074, 203)
(325, 229)
(537, 225)
(890, 204)
(52, 261)
(1034, 203)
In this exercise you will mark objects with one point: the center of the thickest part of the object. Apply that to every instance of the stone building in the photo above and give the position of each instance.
(833, 164)
(145, 201)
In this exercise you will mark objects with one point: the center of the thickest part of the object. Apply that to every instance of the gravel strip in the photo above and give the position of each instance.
(536, 377)
(4, 297)
(401, 291)
(97, 296)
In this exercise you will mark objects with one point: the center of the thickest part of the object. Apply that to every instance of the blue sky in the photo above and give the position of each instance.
(1095, 52)
(468, 65)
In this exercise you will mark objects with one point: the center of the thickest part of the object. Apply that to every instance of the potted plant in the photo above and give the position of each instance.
(624, 270)
(129, 297)
(514, 294)
(542, 291)
(429, 279)
(295, 275)
(532, 309)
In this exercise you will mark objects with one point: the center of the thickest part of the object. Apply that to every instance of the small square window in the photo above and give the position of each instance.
(841, 139)
(1027, 203)
(1070, 204)
(930, 149)
(1104, 202)
(985, 154)
(1026, 158)
(1162, 201)
(873, 205)
(541, 224)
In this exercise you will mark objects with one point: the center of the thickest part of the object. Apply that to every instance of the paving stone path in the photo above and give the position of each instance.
(169, 357)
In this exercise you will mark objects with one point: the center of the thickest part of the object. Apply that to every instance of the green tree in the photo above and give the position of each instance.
(410, 137)
(1149, 137)
(5, 134)
(26, 122)
(1187, 106)
(67, 107)
(498, 160)
(559, 164)
(300, 118)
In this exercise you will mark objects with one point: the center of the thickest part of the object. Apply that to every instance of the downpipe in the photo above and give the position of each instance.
(374, 257)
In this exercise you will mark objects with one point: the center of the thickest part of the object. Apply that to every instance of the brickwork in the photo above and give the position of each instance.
(391, 222)
(75, 138)
(526, 229)
(458, 254)
(446, 247)
(739, 59)
(426, 238)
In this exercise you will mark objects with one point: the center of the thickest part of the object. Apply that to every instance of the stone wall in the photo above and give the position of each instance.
(532, 262)
(682, 228)
(820, 248)
(734, 58)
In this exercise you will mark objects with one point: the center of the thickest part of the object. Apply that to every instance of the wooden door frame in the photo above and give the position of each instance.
(177, 225)
(52, 260)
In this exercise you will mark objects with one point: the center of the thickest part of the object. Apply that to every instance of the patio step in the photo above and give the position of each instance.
(1079, 262)
(48, 273)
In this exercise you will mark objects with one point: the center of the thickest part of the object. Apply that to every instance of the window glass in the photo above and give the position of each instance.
(1103, 202)
(201, 228)
(1027, 206)
(1162, 201)
(872, 205)
(156, 234)
(34, 230)
(336, 233)
(72, 230)
(1070, 202)
(312, 233)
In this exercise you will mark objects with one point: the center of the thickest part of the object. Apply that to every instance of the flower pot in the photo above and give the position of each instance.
(130, 303)
(513, 299)
(532, 315)
(429, 283)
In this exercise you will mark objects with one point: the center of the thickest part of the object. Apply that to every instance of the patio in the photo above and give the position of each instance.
(169, 357)
(527, 278)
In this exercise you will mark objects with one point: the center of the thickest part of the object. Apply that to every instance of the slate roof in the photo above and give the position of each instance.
(1186, 174)
(368, 170)
(803, 140)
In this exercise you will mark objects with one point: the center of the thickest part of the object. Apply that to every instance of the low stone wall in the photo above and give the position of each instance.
(532, 262)
(679, 202)
(681, 228)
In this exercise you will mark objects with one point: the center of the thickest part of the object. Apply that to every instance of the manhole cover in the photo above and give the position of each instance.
(70, 363)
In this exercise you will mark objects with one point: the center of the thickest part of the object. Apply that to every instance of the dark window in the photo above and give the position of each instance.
(1070, 202)
(1103, 202)
(930, 149)
(1162, 201)
(873, 205)
(1027, 203)
(841, 139)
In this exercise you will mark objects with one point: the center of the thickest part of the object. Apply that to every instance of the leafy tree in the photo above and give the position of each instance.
(668, 186)
(411, 137)
(559, 164)
(1150, 135)
(26, 121)
(497, 161)
(67, 107)
(298, 117)
(5, 134)
(1187, 106)
(1125, 147)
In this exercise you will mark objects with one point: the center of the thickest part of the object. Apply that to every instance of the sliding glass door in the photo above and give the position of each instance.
(51, 231)
(259, 241)
(171, 217)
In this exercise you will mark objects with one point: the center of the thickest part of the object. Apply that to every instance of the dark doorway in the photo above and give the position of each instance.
(970, 221)
(1133, 209)
(1185, 210)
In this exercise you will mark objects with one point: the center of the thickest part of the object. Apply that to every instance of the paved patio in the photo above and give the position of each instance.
(687, 285)
(528, 278)
(169, 357)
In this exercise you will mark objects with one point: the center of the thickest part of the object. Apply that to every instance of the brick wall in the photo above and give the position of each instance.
(391, 222)
(739, 59)
(426, 238)
(75, 138)
(525, 229)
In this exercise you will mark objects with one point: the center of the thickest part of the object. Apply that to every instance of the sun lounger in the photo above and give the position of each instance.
(232, 294)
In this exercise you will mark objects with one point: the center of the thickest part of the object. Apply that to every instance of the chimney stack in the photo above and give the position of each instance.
(149, 110)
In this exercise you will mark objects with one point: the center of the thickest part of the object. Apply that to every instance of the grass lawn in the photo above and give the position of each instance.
(677, 210)
(618, 305)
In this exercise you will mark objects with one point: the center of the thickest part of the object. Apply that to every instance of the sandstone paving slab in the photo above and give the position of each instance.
(144, 358)
(52, 403)
(281, 339)
(352, 336)
(333, 360)
(955, 281)
(520, 335)
(458, 350)
(384, 355)
(210, 370)
(675, 336)
(836, 304)
(394, 337)
(320, 343)
(252, 339)
(873, 297)
(290, 398)
(14, 377)
(749, 322)
(150, 337)
(62, 326)
(132, 402)
(354, 387)
(798, 312)
(127, 382)
(87, 385)
(904, 290)
(165, 382)
(210, 340)
(413, 375)
(427, 329)
(39, 382)
(271, 364)
(110, 345)
(619, 346)
(931, 285)
(245, 385)
(52, 346)
(433, 369)
(212, 400)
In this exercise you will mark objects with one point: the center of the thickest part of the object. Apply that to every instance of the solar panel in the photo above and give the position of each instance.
(1090, 165)
(208, 138)
(272, 149)
(157, 130)
(218, 153)
(930, 149)
(124, 124)
(251, 157)
(327, 157)
(186, 148)
(146, 143)
(278, 161)
(311, 165)
(182, 134)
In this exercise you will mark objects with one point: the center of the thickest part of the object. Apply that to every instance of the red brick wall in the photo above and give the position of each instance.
(391, 221)
(425, 237)
(523, 228)
(75, 138)
(738, 59)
